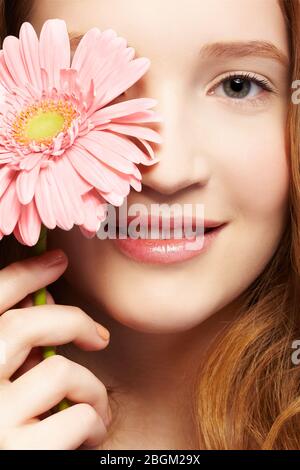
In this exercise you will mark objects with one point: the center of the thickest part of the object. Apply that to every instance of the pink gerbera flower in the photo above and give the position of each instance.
(64, 151)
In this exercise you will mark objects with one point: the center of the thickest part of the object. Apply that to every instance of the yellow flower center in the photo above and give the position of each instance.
(43, 121)
(44, 125)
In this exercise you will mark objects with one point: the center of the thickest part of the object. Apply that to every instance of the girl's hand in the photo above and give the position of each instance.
(41, 385)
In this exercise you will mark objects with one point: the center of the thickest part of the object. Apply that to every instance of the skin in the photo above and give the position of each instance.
(228, 154)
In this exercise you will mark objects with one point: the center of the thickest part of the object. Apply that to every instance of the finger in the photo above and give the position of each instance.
(34, 357)
(24, 277)
(49, 382)
(22, 329)
(66, 430)
(36, 354)
(28, 301)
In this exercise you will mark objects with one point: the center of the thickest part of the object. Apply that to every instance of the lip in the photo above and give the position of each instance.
(172, 221)
(172, 250)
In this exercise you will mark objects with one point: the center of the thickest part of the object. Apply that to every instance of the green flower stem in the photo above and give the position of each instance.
(40, 298)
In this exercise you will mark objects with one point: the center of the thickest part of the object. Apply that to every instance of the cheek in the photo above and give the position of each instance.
(255, 171)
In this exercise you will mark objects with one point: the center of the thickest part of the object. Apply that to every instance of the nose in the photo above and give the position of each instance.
(181, 163)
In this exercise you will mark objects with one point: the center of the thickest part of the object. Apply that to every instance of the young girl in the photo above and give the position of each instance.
(178, 353)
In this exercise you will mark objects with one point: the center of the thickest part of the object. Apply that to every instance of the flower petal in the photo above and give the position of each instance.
(98, 55)
(10, 209)
(123, 79)
(92, 201)
(142, 116)
(43, 199)
(88, 167)
(82, 57)
(18, 236)
(136, 131)
(87, 233)
(113, 198)
(136, 184)
(92, 143)
(62, 206)
(125, 147)
(5, 75)
(6, 176)
(54, 50)
(117, 74)
(14, 61)
(6, 157)
(116, 181)
(66, 180)
(29, 225)
(81, 186)
(30, 161)
(122, 109)
(69, 82)
(29, 48)
(26, 184)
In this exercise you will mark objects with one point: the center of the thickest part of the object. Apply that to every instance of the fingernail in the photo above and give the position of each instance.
(53, 258)
(103, 332)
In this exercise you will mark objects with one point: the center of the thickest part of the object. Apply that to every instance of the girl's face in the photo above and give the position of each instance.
(223, 146)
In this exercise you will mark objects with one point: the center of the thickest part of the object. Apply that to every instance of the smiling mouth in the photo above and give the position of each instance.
(166, 250)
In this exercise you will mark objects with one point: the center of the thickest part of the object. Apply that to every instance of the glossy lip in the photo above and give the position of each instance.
(166, 251)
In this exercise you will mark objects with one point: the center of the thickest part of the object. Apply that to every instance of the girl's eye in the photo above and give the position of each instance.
(238, 86)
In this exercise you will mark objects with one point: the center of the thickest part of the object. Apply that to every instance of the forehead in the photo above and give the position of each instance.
(171, 29)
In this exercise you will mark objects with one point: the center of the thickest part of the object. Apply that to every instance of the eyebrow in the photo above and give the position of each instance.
(232, 49)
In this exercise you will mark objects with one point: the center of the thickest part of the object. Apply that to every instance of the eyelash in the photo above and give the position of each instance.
(252, 77)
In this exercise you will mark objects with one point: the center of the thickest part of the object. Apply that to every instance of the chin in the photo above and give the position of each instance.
(154, 311)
